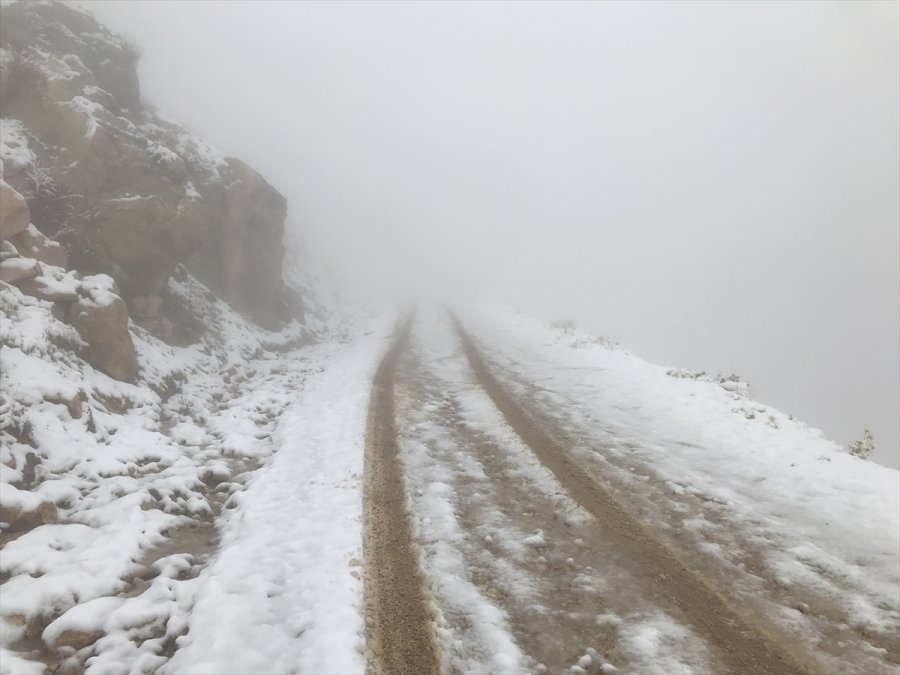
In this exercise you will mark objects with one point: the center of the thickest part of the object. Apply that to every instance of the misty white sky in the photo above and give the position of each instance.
(715, 185)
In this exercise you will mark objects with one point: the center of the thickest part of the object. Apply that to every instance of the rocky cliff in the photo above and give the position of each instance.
(110, 187)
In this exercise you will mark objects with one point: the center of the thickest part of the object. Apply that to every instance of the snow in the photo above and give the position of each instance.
(19, 264)
(142, 465)
(656, 642)
(31, 381)
(14, 151)
(170, 142)
(22, 500)
(284, 592)
(57, 284)
(474, 632)
(90, 113)
(12, 664)
(447, 478)
(98, 290)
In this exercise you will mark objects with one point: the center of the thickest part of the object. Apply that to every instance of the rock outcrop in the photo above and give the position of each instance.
(124, 191)
(101, 319)
(92, 305)
(32, 243)
(18, 269)
(23, 509)
(237, 263)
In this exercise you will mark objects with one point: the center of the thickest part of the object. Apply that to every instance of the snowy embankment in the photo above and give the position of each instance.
(116, 497)
(745, 484)
(285, 590)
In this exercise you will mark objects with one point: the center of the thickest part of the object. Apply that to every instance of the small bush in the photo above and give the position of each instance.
(863, 447)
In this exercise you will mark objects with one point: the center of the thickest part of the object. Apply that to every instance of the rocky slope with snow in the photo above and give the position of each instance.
(145, 337)
(124, 191)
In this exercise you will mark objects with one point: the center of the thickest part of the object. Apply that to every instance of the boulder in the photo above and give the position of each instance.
(77, 639)
(7, 250)
(48, 288)
(101, 319)
(32, 243)
(16, 269)
(23, 509)
(14, 212)
(74, 404)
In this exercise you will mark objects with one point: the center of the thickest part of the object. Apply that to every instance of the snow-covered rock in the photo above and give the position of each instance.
(18, 268)
(127, 192)
(101, 319)
(32, 243)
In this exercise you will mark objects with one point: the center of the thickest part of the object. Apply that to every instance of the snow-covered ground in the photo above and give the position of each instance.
(138, 485)
(761, 494)
(284, 592)
(207, 519)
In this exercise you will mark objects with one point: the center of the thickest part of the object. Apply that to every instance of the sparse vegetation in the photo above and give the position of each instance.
(51, 205)
(863, 447)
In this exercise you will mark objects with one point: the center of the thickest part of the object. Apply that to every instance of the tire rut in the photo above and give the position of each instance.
(399, 625)
(745, 644)
(526, 547)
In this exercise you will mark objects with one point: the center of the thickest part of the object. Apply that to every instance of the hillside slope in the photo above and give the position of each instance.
(148, 344)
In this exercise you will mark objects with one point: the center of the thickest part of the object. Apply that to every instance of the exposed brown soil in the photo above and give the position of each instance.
(745, 644)
(399, 625)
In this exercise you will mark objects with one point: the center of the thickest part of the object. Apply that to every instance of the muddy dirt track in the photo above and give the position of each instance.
(400, 610)
(398, 622)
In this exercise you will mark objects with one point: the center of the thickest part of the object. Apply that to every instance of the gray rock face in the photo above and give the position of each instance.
(126, 192)
(237, 263)
(46, 288)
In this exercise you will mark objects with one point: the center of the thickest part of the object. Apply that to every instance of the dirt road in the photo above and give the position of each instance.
(400, 636)
(491, 549)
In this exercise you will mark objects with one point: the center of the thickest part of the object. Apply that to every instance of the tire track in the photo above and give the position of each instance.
(399, 625)
(527, 549)
(744, 645)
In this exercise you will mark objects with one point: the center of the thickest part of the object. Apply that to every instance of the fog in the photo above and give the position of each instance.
(714, 185)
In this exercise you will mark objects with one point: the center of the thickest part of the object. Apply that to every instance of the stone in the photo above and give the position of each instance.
(14, 212)
(73, 404)
(48, 288)
(32, 243)
(77, 639)
(21, 518)
(102, 322)
(16, 269)
(7, 250)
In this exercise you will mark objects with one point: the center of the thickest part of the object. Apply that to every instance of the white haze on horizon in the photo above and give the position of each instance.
(715, 185)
